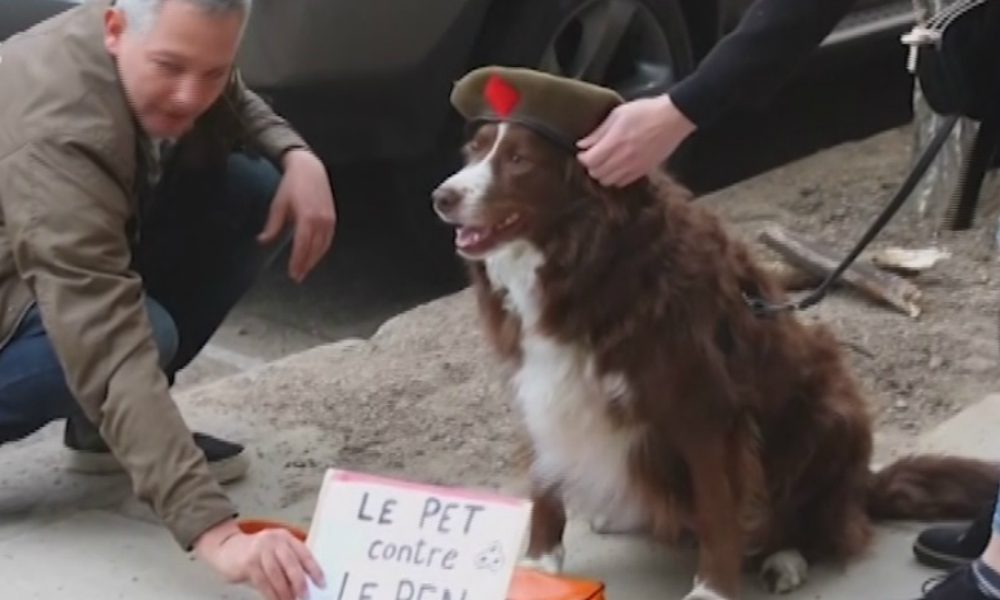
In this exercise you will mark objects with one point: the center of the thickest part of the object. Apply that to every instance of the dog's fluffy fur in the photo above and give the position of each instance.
(653, 397)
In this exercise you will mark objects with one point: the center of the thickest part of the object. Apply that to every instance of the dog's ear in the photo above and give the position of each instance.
(666, 186)
(613, 200)
(585, 186)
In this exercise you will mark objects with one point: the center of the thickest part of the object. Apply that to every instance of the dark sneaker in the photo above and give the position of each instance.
(88, 454)
(951, 546)
(959, 585)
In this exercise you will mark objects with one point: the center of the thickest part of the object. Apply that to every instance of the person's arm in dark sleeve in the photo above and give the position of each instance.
(744, 69)
(750, 63)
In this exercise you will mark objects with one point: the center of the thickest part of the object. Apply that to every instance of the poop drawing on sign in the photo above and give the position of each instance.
(492, 558)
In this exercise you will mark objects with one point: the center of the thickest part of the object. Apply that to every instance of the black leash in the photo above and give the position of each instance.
(763, 308)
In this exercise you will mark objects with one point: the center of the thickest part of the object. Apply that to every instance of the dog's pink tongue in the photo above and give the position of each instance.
(469, 236)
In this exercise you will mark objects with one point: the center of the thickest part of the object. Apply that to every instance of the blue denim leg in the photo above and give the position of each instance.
(33, 390)
(198, 255)
(996, 515)
(199, 252)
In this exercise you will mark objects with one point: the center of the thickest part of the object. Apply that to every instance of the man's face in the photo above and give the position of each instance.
(174, 71)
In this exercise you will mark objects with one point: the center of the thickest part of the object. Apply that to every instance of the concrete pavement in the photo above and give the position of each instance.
(63, 535)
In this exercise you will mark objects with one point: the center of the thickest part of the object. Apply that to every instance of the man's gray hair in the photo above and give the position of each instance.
(141, 14)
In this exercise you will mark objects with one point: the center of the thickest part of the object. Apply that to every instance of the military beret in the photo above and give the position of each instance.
(558, 108)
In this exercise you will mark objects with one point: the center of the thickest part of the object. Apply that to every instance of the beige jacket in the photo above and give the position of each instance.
(71, 160)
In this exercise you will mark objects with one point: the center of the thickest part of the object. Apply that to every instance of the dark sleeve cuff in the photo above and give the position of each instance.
(700, 101)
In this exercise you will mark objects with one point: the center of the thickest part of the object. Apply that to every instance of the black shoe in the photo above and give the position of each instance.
(959, 585)
(88, 454)
(951, 546)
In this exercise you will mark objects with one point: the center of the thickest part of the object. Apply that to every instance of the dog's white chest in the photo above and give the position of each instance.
(565, 401)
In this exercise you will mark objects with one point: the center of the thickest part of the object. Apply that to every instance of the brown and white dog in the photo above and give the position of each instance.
(652, 395)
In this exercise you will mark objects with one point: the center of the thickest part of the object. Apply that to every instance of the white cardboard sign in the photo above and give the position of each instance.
(385, 539)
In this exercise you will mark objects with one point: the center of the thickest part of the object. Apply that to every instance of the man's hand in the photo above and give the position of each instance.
(634, 140)
(272, 561)
(305, 196)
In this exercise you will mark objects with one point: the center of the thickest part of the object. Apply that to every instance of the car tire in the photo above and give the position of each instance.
(645, 49)
(644, 45)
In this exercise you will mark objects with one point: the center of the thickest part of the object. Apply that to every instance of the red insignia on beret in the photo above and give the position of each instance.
(501, 95)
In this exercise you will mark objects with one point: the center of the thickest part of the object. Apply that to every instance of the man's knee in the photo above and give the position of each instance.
(252, 183)
(164, 332)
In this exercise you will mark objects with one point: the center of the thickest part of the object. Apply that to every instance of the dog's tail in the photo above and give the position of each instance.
(933, 487)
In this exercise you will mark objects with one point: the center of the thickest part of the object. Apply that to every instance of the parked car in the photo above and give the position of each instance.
(369, 81)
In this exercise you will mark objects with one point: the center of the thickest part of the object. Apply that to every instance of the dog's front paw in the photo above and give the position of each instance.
(784, 571)
(702, 592)
(616, 525)
(550, 562)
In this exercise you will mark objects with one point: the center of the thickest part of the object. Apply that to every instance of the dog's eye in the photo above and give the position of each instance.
(516, 159)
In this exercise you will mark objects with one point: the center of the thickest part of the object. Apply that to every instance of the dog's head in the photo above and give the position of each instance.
(521, 174)
(513, 185)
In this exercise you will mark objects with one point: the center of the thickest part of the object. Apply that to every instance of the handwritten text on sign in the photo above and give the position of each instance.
(381, 539)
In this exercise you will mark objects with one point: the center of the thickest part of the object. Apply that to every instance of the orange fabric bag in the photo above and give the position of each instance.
(529, 584)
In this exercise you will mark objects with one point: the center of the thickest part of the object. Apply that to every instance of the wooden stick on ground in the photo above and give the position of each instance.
(790, 277)
(811, 257)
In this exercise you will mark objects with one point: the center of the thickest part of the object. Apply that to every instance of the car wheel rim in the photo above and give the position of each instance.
(616, 43)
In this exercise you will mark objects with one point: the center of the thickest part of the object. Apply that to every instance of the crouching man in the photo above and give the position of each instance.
(142, 189)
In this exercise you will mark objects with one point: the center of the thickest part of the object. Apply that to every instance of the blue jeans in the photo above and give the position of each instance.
(197, 256)
(996, 514)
